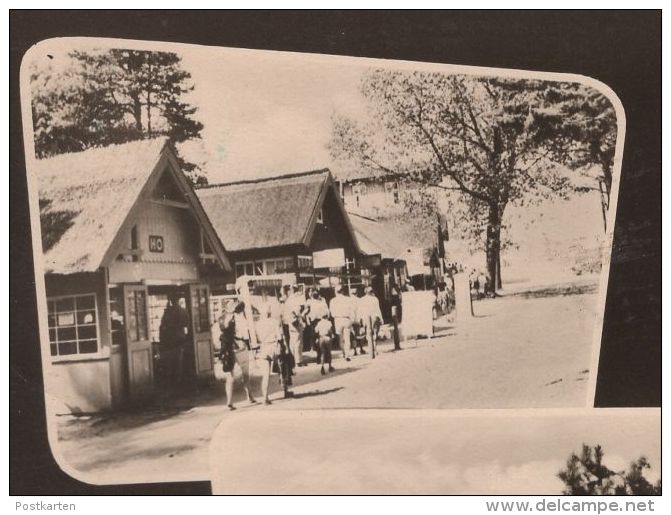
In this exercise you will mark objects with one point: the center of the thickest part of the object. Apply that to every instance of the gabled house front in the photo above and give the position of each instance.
(285, 230)
(122, 230)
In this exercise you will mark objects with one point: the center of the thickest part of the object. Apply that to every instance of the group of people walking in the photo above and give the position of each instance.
(290, 325)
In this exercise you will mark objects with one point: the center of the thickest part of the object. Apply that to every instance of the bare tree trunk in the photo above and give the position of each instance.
(137, 113)
(493, 247)
(603, 195)
(499, 281)
(149, 114)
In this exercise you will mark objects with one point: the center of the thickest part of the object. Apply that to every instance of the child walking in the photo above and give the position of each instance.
(325, 333)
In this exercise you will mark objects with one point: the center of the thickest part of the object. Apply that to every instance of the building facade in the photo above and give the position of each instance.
(291, 229)
(122, 232)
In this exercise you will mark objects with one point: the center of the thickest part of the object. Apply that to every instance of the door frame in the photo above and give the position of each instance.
(201, 337)
(138, 388)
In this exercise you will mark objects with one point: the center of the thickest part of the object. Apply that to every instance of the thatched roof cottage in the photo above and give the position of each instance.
(122, 230)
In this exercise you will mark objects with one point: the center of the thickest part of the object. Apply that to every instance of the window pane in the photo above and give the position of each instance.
(72, 325)
(66, 304)
(249, 268)
(88, 347)
(66, 319)
(132, 317)
(131, 304)
(270, 268)
(142, 329)
(86, 317)
(86, 332)
(67, 333)
(239, 270)
(85, 302)
(203, 312)
(67, 348)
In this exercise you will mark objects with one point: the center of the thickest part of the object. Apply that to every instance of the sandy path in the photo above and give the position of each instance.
(519, 351)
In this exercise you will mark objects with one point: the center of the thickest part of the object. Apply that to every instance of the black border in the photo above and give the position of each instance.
(620, 48)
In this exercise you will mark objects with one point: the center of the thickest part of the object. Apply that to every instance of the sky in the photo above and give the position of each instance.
(267, 113)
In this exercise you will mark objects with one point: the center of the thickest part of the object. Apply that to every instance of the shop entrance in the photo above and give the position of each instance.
(166, 333)
(180, 332)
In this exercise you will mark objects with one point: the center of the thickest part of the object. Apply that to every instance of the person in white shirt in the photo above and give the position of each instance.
(324, 333)
(368, 310)
(317, 309)
(343, 312)
(294, 318)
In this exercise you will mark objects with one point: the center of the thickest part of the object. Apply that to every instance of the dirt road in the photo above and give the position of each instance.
(524, 350)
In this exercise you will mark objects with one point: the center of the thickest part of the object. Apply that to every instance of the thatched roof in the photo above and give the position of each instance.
(265, 213)
(377, 237)
(85, 198)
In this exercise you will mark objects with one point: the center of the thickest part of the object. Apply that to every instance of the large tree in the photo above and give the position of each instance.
(584, 127)
(485, 137)
(113, 96)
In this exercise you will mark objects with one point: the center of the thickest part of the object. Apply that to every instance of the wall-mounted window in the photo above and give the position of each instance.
(279, 266)
(265, 267)
(244, 268)
(320, 217)
(73, 325)
(305, 263)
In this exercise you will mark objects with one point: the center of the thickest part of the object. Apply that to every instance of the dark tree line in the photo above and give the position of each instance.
(114, 96)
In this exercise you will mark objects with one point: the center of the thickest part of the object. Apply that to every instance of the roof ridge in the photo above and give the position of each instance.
(153, 139)
(265, 179)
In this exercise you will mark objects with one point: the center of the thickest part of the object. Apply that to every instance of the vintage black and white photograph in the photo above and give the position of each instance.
(225, 231)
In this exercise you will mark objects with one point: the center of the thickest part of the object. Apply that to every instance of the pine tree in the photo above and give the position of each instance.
(582, 124)
(585, 474)
(113, 96)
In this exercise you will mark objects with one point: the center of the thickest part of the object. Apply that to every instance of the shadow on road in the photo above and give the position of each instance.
(556, 291)
(315, 393)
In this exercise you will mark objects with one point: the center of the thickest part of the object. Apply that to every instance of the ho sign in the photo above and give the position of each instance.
(156, 243)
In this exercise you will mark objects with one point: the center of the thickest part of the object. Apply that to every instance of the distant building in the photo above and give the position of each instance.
(372, 193)
(379, 194)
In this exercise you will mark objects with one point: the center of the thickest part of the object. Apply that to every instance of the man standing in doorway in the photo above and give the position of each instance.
(371, 317)
(173, 333)
(342, 311)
